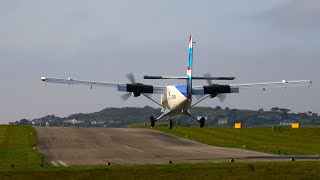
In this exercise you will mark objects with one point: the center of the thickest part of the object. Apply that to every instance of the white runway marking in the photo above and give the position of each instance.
(54, 163)
(136, 149)
(63, 163)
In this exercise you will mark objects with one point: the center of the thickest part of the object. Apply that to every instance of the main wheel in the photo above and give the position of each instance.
(152, 121)
(170, 123)
(202, 121)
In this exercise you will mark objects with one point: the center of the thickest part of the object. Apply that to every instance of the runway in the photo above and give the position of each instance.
(100, 146)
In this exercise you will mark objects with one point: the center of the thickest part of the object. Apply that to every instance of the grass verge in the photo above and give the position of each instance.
(277, 170)
(16, 147)
(303, 141)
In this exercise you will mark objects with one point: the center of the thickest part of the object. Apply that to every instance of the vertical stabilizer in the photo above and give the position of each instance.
(189, 67)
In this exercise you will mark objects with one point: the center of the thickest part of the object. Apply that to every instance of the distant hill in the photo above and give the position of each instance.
(118, 117)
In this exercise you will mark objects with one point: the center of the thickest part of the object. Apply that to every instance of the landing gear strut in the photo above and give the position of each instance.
(170, 123)
(202, 121)
(152, 121)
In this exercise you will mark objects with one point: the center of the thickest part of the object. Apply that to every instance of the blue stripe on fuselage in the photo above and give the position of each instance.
(183, 90)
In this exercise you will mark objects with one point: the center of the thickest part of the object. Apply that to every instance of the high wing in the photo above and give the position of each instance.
(215, 89)
(274, 84)
(135, 88)
(79, 82)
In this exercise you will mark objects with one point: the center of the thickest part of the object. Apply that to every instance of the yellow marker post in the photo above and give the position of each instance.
(237, 125)
(295, 125)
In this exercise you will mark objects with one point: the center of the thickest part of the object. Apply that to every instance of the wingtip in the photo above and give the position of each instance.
(43, 78)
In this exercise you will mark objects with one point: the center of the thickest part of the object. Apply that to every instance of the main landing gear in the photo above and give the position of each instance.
(202, 121)
(153, 122)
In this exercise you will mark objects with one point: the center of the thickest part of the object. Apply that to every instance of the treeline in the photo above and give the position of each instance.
(119, 117)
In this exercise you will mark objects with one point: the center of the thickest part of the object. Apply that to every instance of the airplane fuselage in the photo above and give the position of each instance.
(178, 99)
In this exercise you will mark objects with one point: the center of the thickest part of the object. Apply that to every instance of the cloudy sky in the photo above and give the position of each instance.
(267, 40)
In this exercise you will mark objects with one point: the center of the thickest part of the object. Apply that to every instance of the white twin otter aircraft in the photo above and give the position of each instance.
(177, 99)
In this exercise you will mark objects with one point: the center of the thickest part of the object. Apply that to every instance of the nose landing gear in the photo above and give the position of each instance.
(153, 122)
(170, 123)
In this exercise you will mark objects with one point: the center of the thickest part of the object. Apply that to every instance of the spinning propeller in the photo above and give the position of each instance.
(221, 97)
(135, 89)
(132, 80)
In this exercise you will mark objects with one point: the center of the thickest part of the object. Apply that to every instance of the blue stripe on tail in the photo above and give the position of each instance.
(189, 68)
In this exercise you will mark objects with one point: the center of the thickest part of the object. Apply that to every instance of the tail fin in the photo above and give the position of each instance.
(189, 67)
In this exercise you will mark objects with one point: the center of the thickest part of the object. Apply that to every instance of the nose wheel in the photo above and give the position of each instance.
(170, 123)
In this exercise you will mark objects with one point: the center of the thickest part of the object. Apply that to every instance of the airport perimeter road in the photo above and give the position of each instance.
(98, 146)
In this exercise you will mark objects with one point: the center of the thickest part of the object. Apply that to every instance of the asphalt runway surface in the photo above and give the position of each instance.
(100, 146)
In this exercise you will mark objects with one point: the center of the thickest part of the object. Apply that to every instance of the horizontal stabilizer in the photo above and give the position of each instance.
(164, 77)
(214, 78)
(194, 78)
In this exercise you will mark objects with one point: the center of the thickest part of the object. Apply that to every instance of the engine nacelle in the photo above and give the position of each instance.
(137, 89)
(136, 94)
(215, 89)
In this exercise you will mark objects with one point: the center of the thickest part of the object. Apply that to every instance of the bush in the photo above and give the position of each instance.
(277, 128)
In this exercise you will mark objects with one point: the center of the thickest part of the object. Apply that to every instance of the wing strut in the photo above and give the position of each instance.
(200, 100)
(152, 99)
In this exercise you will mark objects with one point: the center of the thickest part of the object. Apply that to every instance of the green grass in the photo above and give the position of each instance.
(16, 147)
(303, 141)
(278, 170)
(16, 143)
